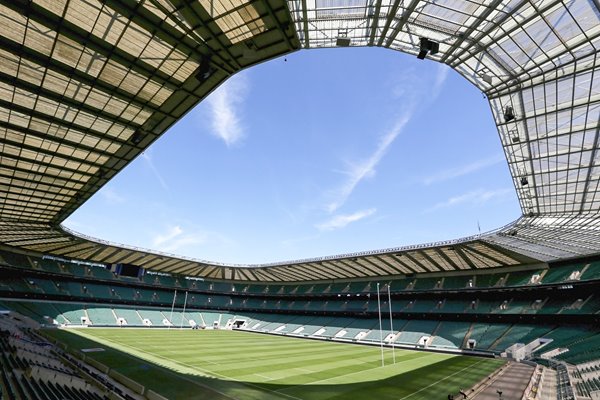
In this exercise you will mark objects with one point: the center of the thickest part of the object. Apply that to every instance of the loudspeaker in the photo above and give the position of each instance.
(205, 70)
(508, 114)
(427, 46)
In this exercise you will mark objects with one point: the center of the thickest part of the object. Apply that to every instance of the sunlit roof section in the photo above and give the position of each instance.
(537, 62)
(87, 85)
(239, 20)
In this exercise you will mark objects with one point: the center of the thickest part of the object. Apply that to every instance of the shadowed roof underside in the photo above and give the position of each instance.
(86, 86)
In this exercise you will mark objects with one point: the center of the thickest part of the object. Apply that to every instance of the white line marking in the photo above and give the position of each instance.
(306, 370)
(265, 377)
(441, 380)
(353, 373)
(198, 369)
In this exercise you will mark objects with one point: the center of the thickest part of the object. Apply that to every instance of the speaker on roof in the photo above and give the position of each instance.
(509, 115)
(205, 70)
(137, 137)
(427, 46)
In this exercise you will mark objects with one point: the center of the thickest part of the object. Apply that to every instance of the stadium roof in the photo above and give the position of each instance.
(86, 86)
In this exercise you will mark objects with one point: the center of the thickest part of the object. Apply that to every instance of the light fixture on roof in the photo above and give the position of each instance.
(342, 41)
(524, 181)
(205, 70)
(427, 46)
(137, 137)
(508, 114)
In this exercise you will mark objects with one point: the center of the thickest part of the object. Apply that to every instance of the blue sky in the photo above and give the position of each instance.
(329, 152)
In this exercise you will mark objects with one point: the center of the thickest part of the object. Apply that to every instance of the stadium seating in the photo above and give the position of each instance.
(57, 292)
(519, 334)
(131, 316)
(101, 316)
(154, 316)
(450, 334)
(562, 274)
(457, 282)
(32, 369)
(414, 330)
(486, 334)
(591, 271)
(14, 259)
(521, 278)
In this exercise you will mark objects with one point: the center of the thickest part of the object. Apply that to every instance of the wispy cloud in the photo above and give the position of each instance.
(146, 156)
(341, 221)
(360, 170)
(440, 78)
(475, 197)
(462, 170)
(225, 108)
(412, 87)
(111, 196)
(175, 238)
(412, 92)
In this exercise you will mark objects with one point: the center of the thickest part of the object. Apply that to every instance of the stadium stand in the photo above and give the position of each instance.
(32, 368)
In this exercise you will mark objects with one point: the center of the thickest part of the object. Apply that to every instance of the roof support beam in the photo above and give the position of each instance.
(350, 264)
(439, 252)
(388, 22)
(591, 167)
(59, 186)
(462, 255)
(137, 13)
(57, 121)
(397, 258)
(375, 23)
(188, 8)
(64, 100)
(454, 61)
(67, 71)
(392, 267)
(79, 34)
(448, 58)
(305, 25)
(508, 88)
(485, 256)
(63, 140)
(398, 28)
(415, 261)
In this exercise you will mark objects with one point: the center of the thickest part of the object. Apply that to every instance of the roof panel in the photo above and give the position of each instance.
(85, 86)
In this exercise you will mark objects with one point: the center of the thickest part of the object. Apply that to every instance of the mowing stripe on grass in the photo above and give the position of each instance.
(441, 380)
(138, 350)
(251, 366)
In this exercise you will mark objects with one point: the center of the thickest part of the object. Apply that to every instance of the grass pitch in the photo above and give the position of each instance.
(186, 364)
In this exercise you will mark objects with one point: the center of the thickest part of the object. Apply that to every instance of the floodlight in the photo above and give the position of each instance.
(427, 46)
(137, 137)
(342, 41)
(205, 70)
(508, 114)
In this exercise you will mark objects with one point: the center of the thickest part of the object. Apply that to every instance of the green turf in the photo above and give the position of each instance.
(186, 364)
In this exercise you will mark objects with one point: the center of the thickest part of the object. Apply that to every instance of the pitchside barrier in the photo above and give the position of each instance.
(151, 395)
(130, 383)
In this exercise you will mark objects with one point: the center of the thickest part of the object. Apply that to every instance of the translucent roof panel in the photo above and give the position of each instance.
(535, 61)
(87, 85)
